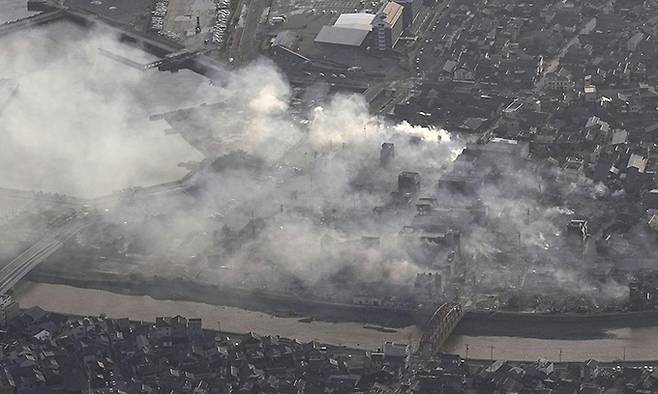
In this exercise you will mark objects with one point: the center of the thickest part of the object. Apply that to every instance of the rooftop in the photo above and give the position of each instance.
(361, 21)
(341, 35)
(349, 29)
(392, 12)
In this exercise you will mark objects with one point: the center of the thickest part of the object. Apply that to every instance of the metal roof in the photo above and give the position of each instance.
(637, 161)
(356, 21)
(341, 35)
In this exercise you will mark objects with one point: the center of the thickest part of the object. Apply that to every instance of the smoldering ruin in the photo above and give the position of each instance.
(298, 193)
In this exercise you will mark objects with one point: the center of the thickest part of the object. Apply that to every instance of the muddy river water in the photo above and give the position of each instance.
(629, 343)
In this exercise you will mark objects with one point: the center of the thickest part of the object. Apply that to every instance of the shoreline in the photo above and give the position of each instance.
(473, 324)
(180, 289)
(597, 339)
(66, 299)
(552, 326)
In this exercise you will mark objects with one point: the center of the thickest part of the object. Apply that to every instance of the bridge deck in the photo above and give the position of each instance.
(439, 327)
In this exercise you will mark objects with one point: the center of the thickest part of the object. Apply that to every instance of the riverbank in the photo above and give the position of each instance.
(473, 324)
(630, 344)
(637, 343)
(79, 301)
(556, 337)
(181, 289)
(552, 326)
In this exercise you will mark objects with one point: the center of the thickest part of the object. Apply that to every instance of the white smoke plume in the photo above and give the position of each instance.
(291, 189)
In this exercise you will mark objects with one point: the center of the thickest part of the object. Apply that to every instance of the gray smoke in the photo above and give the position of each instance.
(286, 193)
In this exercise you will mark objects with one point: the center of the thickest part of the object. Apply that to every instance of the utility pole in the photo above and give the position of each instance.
(466, 351)
(624, 358)
(560, 355)
(491, 348)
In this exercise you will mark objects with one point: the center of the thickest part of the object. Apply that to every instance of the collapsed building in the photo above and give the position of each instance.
(643, 291)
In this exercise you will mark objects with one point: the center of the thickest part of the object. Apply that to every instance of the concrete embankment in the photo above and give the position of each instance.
(509, 324)
(74, 300)
(185, 290)
(552, 326)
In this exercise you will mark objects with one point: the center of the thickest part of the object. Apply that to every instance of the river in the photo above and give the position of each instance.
(626, 343)
(629, 343)
(72, 300)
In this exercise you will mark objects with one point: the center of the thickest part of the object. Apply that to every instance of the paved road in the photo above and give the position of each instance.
(245, 45)
(52, 198)
(431, 31)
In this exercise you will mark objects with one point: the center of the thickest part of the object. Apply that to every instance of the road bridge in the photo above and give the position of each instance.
(439, 327)
(52, 198)
(19, 267)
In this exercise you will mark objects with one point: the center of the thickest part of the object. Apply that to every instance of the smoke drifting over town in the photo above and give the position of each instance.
(284, 186)
(77, 122)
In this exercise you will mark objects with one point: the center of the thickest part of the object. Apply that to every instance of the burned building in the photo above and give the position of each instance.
(407, 191)
(428, 286)
(425, 205)
(497, 148)
(651, 199)
(481, 164)
(440, 251)
(460, 183)
(643, 291)
(386, 154)
(635, 174)
(578, 229)
(409, 183)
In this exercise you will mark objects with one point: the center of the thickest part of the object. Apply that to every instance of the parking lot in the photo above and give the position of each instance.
(222, 22)
(180, 21)
(297, 7)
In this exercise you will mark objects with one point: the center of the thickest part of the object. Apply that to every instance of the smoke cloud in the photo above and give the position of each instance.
(286, 182)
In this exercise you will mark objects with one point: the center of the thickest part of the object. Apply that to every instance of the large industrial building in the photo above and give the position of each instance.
(381, 30)
(349, 30)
